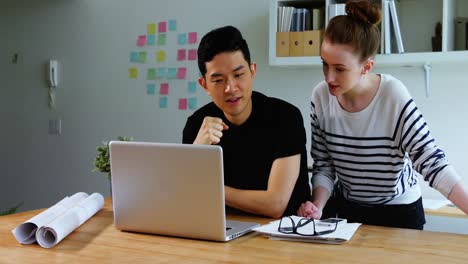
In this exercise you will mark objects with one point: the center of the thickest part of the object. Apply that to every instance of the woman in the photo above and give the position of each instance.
(368, 137)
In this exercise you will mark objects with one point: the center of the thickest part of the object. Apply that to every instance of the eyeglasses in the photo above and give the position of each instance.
(303, 227)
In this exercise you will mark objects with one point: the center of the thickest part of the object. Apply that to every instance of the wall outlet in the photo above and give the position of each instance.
(55, 127)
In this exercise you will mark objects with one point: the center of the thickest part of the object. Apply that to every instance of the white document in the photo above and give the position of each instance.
(343, 233)
(63, 216)
(435, 204)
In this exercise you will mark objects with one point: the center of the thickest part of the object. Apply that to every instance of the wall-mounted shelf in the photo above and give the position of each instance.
(417, 20)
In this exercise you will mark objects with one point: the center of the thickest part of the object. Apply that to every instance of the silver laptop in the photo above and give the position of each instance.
(171, 189)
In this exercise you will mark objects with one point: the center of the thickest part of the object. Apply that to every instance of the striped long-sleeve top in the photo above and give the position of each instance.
(377, 152)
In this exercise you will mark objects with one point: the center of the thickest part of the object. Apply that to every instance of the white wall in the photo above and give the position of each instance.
(96, 100)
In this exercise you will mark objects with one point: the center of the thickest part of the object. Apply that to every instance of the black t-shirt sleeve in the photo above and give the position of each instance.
(190, 131)
(292, 135)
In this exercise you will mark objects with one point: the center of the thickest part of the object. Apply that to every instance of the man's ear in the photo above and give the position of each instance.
(253, 69)
(368, 65)
(202, 83)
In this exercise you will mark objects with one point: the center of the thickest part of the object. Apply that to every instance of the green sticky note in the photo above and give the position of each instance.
(151, 74)
(142, 56)
(162, 38)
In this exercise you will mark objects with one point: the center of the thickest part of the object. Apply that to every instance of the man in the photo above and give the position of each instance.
(263, 138)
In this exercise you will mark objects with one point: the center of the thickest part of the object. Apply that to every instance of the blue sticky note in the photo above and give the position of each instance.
(172, 25)
(161, 73)
(192, 103)
(134, 57)
(182, 39)
(150, 88)
(192, 87)
(151, 40)
(172, 73)
(162, 102)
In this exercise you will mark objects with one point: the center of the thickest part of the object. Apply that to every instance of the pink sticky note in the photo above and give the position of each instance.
(164, 89)
(162, 27)
(181, 54)
(192, 37)
(181, 73)
(141, 41)
(183, 104)
(192, 54)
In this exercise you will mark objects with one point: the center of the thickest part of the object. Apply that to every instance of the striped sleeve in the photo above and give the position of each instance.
(428, 159)
(323, 169)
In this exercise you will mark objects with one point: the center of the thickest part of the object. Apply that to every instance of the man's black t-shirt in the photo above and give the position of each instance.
(275, 129)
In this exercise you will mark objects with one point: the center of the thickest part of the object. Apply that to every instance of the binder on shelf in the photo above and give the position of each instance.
(336, 10)
(396, 26)
(461, 33)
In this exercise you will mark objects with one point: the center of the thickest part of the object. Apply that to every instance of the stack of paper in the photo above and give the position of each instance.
(343, 233)
(54, 224)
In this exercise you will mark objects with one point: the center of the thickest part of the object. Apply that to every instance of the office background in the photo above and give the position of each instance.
(97, 100)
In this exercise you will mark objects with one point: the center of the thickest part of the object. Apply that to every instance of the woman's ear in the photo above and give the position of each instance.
(368, 65)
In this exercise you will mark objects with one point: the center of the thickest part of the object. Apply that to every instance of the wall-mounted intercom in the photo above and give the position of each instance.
(52, 77)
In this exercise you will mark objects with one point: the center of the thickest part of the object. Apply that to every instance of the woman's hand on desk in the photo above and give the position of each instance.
(309, 210)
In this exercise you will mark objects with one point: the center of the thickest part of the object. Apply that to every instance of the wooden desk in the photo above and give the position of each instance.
(97, 241)
(447, 211)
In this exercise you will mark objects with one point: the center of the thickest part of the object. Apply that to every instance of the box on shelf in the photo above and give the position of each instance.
(298, 44)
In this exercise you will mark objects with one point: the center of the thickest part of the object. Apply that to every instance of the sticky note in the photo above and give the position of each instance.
(150, 88)
(141, 41)
(192, 37)
(161, 73)
(183, 103)
(162, 27)
(161, 56)
(192, 103)
(172, 73)
(151, 75)
(142, 56)
(181, 54)
(192, 87)
(192, 54)
(172, 25)
(134, 57)
(162, 102)
(181, 73)
(164, 89)
(133, 73)
(151, 40)
(151, 29)
(162, 39)
(182, 39)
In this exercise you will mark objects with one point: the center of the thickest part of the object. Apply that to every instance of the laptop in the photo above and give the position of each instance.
(171, 189)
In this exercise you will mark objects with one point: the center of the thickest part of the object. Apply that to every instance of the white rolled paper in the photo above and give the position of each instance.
(25, 232)
(51, 234)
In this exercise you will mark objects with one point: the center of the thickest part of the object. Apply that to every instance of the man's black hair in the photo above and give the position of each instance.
(224, 39)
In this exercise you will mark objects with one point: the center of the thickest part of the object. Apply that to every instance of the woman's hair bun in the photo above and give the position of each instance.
(363, 11)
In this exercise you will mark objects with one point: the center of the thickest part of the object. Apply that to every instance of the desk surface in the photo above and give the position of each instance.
(98, 241)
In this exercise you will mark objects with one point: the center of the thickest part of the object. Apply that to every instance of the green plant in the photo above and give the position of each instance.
(11, 210)
(102, 162)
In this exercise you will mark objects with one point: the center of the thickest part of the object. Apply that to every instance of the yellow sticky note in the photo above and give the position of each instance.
(161, 56)
(152, 28)
(133, 72)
